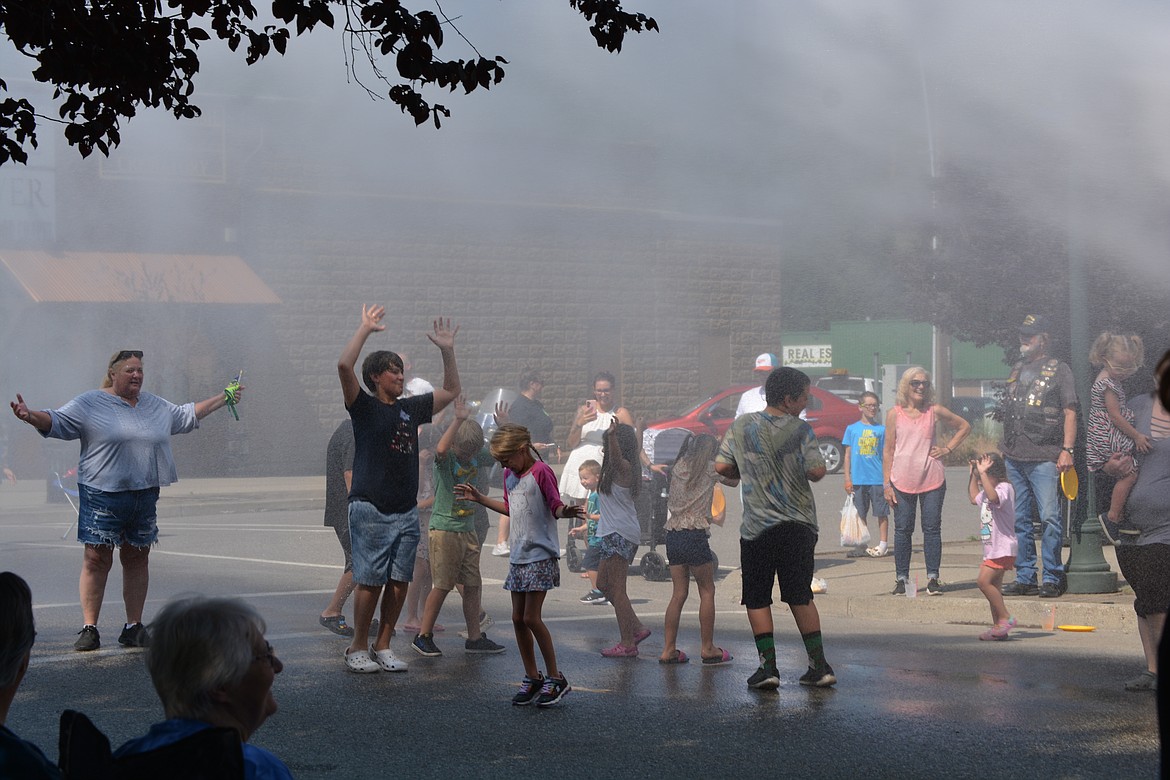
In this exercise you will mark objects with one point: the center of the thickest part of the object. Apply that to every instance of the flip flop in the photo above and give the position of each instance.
(679, 657)
(724, 657)
(640, 637)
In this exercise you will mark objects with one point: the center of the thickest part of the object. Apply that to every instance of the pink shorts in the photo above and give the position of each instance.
(1005, 563)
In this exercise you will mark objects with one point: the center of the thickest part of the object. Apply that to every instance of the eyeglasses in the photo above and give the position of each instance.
(269, 656)
(603, 390)
(125, 354)
(917, 383)
(868, 406)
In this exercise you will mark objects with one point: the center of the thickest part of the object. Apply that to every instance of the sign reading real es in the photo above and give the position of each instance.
(808, 356)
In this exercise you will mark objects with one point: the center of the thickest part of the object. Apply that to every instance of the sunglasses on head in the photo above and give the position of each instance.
(916, 383)
(126, 354)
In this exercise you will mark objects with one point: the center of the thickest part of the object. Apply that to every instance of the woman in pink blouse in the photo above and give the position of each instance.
(914, 473)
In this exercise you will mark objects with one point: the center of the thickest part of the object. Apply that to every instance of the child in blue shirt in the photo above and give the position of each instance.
(864, 441)
(589, 474)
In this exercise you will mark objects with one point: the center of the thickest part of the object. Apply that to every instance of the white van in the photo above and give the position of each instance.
(848, 387)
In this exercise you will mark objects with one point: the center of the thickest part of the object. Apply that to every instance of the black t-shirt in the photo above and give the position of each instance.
(531, 415)
(385, 462)
(338, 460)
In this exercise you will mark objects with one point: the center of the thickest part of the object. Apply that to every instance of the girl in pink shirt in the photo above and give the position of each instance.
(990, 490)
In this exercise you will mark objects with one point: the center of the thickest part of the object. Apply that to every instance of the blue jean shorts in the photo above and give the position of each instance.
(115, 518)
(689, 547)
(383, 545)
(867, 496)
(592, 557)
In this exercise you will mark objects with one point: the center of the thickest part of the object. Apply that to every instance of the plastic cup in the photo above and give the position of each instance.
(1050, 617)
(912, 587)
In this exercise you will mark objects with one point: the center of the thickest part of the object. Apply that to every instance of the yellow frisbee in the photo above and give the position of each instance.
(1077, 628)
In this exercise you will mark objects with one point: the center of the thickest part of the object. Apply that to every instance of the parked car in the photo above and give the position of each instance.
(848, 387)
(973, 408)
(828, 415)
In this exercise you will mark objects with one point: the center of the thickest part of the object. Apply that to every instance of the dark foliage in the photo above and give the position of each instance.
(107, 59)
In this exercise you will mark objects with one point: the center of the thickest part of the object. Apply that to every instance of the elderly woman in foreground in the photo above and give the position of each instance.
(212, 667)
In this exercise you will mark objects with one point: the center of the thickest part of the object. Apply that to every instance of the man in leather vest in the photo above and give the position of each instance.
(1039, 431)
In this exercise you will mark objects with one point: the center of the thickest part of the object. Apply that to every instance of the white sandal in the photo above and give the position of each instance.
(359, 661)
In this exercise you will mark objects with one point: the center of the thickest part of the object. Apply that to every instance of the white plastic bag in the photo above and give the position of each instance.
(854, 533)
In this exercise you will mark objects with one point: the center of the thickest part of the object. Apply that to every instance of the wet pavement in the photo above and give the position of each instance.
(918, 696)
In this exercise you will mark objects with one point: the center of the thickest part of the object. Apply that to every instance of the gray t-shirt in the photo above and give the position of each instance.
(123, 447)
(1148, 507)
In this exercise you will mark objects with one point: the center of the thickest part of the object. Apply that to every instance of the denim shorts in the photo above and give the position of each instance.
(116, 518)
(616, 545)
(383, 545)
(870, 496)
(592, 557)
(689, 547)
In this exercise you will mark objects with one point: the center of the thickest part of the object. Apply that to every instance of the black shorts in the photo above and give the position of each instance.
(783, 553)
(1146, 567)
(688, 548)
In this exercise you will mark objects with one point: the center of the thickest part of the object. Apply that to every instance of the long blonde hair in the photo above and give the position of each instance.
(510, 438)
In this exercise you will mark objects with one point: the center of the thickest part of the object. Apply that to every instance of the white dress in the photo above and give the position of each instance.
(590, 448)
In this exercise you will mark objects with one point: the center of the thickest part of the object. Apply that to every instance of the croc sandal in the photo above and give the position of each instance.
(679, 657)
(337, 625)
(724, 657)
(359, 661)
(641, 636)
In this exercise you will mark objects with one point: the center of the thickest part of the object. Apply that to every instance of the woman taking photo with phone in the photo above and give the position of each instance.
(587, 434)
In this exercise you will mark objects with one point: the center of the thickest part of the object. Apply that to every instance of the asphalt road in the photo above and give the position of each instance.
(913, 700)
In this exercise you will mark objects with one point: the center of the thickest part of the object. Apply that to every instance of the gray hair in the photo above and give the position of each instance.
(199, 645)
(16, 626)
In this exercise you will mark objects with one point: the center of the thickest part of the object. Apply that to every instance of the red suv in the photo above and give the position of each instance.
(828, 414)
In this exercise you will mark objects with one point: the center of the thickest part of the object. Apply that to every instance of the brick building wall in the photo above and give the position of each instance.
(645, 309)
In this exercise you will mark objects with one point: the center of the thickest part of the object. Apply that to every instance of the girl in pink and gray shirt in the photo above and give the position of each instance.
(990, 490)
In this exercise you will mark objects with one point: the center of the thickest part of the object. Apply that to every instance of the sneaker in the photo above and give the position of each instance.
(136, 635)
(387, 661)
(360, 662)
(819, 678)
(765, 679)
(1146, 681)
(1111, 529)
(485, 622)
(553, 690)
(484, 646)
(899, 588)
(1019, 589)
(87, 639)
(424, 644)
(500, 550)
(594, 597)
(530, 688)
(934, 587)
(1050, 590)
